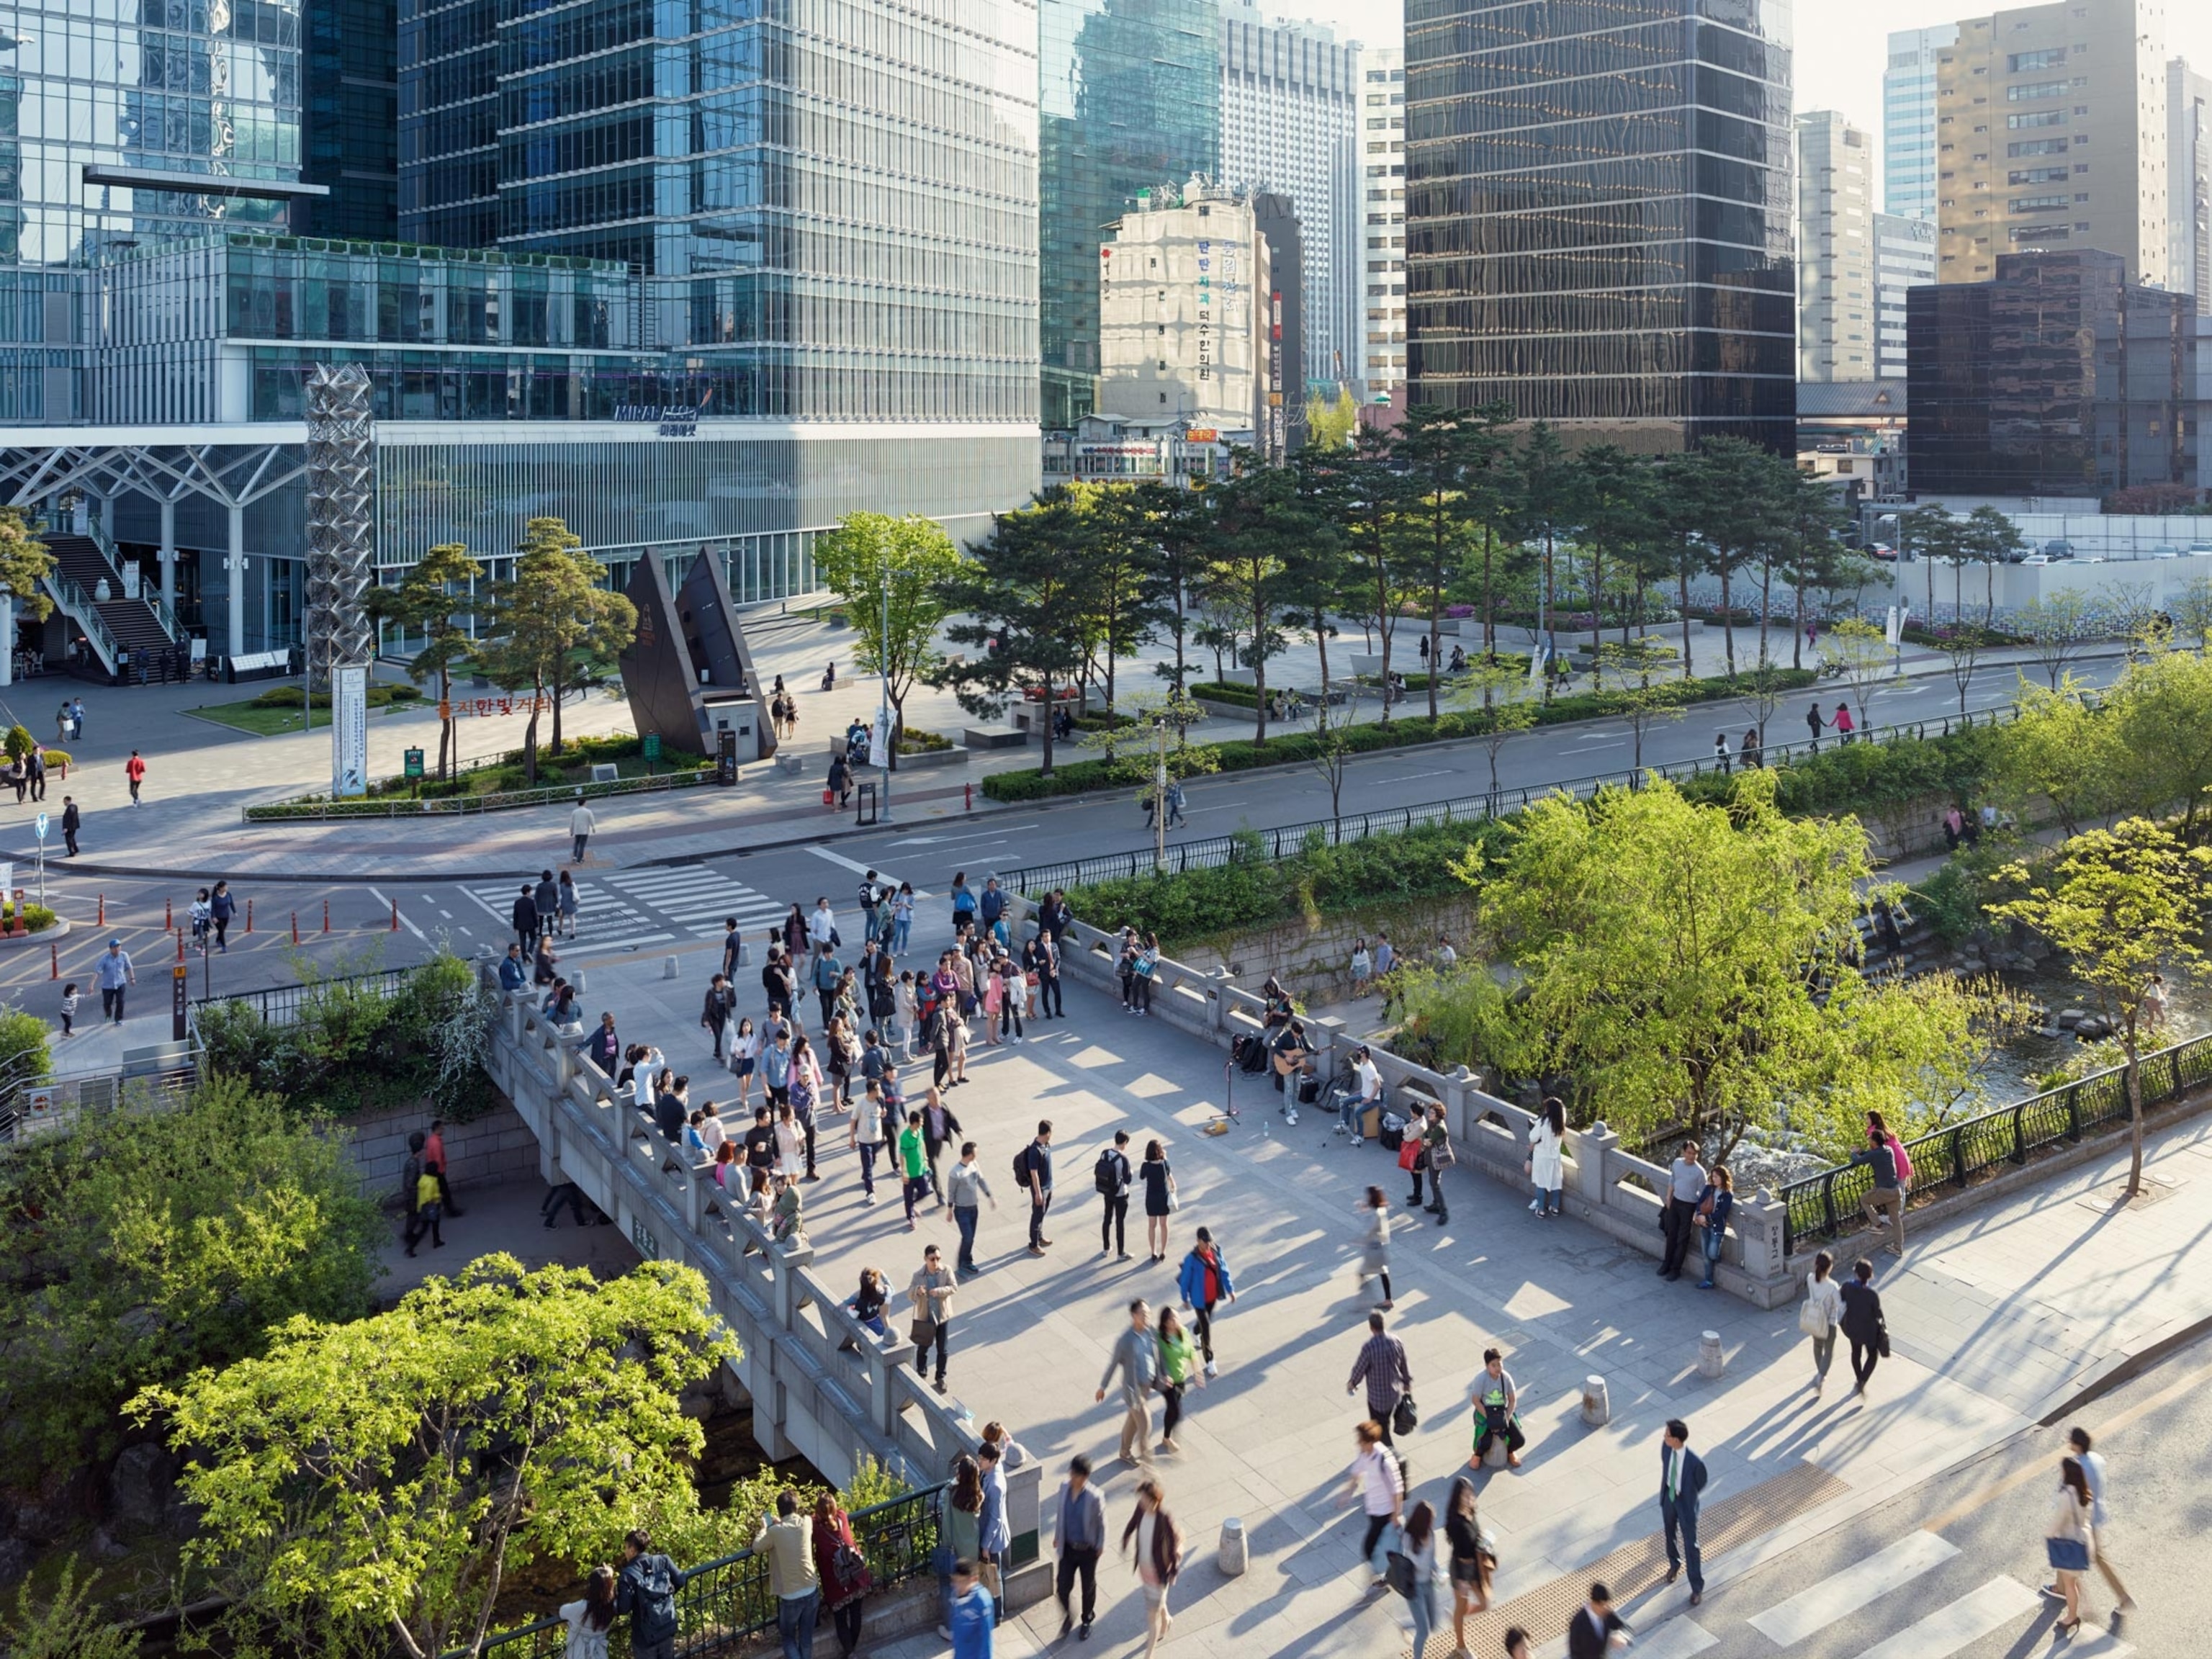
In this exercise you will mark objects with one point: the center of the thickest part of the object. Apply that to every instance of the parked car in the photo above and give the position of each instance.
(1880, 551)
(2200, 549)
(2037, 558)
(2058, 549)
(2163, 551)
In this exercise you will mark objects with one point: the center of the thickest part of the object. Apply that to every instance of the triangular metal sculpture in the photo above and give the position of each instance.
(688, 672)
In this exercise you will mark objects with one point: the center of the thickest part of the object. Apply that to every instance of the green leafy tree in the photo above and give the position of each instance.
(1689, 967)
(1330, 424)
(2124, 905)
(1017, 603)
(1737, 504)
(24, 562)
(554, 625)
(893, 571)
(1501, 690)
(2058, 751)
(1177, 523)
(436, 600)
(2059, 626)
(1264, 530)
(1641, 704)
(368, 1487)
(1863, 654)
(2161, 742)
(1363, 500)
(150, 1242)
(1127, 590)
(63, 1622)
(1615, 489)
(1333, 747)
(1990, 538)
(1812, 519)
(1935, 534)
(2191, 608)
(1962, 650)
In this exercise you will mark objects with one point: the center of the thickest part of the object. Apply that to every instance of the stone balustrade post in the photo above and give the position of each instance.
(694, 1201)
(1591, 1147)
(1759, 1226)
(784, 1291)
(884, 1360)
(1024, 1512)
(1458, 1111)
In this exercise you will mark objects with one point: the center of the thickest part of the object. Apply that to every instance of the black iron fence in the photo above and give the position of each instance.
(1280, 841)
(1832, 1202)
(279, 1005)
(728, 1602)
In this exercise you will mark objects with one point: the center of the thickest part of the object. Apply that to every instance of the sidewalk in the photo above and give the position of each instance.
(1997, 1318)
(202, 774)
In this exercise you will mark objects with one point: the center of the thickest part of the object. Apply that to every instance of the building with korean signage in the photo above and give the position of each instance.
(1185, 313)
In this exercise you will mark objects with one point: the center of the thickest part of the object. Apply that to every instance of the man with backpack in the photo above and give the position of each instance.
(646, 1592)
(1113, 1174)
(1033, 1175)
(872, 904)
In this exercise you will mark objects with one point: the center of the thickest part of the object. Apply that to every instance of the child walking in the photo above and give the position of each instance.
(69, 1008)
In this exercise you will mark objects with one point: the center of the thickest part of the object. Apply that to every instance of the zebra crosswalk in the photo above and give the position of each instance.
(698, 899)
(605, 919)
(1946, 1628)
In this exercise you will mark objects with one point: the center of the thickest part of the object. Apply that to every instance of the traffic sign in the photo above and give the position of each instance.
(413, 761)
(38, 826)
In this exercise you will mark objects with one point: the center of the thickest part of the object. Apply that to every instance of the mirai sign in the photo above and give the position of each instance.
(673, 420)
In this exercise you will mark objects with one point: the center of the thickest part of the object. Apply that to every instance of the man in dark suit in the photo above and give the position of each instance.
(1681, 1489)
(1596, 1630)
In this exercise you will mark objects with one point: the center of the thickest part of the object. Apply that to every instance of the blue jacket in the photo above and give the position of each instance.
(1190, 1283)
(1693, 1480)
(514, 974)
(972, 1617)
(992, 905)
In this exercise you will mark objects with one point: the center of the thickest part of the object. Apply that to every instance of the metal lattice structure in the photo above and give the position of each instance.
(341, 518)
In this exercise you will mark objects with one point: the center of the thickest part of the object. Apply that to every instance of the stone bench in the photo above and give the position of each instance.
(982, 736)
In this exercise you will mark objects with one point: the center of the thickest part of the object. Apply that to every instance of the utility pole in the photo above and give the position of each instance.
(1160, 797)
(889, 732)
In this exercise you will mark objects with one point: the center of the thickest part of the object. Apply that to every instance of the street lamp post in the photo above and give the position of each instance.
(1160, 797)
(883, 713)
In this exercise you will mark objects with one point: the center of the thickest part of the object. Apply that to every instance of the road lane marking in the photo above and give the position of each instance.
(1969, 1619)
(405, 920)
(1861, 1585)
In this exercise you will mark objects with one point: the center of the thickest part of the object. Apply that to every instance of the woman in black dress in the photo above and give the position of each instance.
(1159, 1197)
(1862, 1323)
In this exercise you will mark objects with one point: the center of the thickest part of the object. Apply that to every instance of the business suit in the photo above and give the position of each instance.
(1590, 1635)
(1682, 1490)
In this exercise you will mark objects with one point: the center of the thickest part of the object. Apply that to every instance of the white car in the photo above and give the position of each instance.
(2037, 558)
(2200, 549)
(2165, 552)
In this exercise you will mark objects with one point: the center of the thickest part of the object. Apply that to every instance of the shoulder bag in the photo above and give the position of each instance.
(1812, 1317)
(1398, 1568)
(1407, 1416)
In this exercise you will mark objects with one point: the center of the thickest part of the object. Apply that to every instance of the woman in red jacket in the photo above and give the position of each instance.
(846, 1580)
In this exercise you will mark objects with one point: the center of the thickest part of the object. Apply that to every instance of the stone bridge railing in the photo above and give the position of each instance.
(1611, 1189)
(822, 1386)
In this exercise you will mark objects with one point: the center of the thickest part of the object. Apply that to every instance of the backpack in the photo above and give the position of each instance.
(1108, 1177)
(655, 1606)
(1022, 1169)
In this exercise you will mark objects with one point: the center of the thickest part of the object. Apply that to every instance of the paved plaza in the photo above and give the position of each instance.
(1998, 1318)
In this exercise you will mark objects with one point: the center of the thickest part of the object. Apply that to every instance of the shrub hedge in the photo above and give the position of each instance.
(1080, 776)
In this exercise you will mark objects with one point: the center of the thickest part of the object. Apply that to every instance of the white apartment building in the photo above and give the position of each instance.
(1383, 205)
(1908, 120)
(1289, 104)
(1835, 250)
(1183, 321)
(1904, 258)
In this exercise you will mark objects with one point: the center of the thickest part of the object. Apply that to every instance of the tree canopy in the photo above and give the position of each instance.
(436, 600)
(892, 575)
(367, 1485)
(554, 624)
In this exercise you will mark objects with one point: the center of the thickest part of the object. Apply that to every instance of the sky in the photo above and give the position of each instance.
(1841, 44)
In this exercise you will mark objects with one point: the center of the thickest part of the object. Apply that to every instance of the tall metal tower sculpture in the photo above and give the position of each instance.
(339, 639)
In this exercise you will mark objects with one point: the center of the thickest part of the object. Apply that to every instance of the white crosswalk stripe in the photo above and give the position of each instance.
(1861, 1585)
(2002, 1602)
(1677, 1639)
(603, 918)
(697, 899)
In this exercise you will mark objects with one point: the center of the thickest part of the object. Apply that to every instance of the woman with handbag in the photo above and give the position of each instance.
(1375, 1250)
(1158, 1556)
(1472, 1558)
(1436, 1158)
(1417, 1547)
(2069, 1541)
(1159, 1199)
(1546, 1164)
(1713, 1206)
(843, 1571)
(1820, 1314)
(1862, 1323)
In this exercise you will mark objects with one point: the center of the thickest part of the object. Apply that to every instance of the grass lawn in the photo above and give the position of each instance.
(264, 721)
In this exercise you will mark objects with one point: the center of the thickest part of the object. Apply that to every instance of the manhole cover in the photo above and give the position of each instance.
(2114, 1200)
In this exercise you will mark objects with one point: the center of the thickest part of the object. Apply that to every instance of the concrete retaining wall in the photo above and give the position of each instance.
(494, 1148)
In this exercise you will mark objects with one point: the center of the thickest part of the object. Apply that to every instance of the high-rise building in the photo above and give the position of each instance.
(1836, 324)
(1598, 216)
(1129, 100)
(1908, 120)
(1382, 161)
(2057, 376)
(2188, 183)
(1289, 113)
(1184, 313)
(2051, 132)
(1904, 258)
(352, 119)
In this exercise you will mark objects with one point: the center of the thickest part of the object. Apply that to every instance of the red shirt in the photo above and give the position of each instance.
(135, 771)
(433, 1149)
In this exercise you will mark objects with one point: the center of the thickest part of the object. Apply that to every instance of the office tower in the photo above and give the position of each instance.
(352, 118)
(2057, 376)
(1383, 213)
(195, 127)
(1183, 286)
(1289, 113)
(1604, 248)
(1908, 120)
(1904, 258)
(2051, 132)
(2188, 183)
(1835, 250)
(1129, 100)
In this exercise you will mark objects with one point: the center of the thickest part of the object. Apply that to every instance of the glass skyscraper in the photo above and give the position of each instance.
(1598, 213)
(352, 119)
(833, 204)
(1908, 120)
(1129, 93)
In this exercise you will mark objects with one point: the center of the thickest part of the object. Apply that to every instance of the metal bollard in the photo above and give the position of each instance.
(1711, 1359)
(249, 915)
(1597, 1408)
(326, 915)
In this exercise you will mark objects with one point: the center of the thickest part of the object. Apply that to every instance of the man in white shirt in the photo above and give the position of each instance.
(1354, 1108)
(2093, 1468)
(822, 924)
(580, 825)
